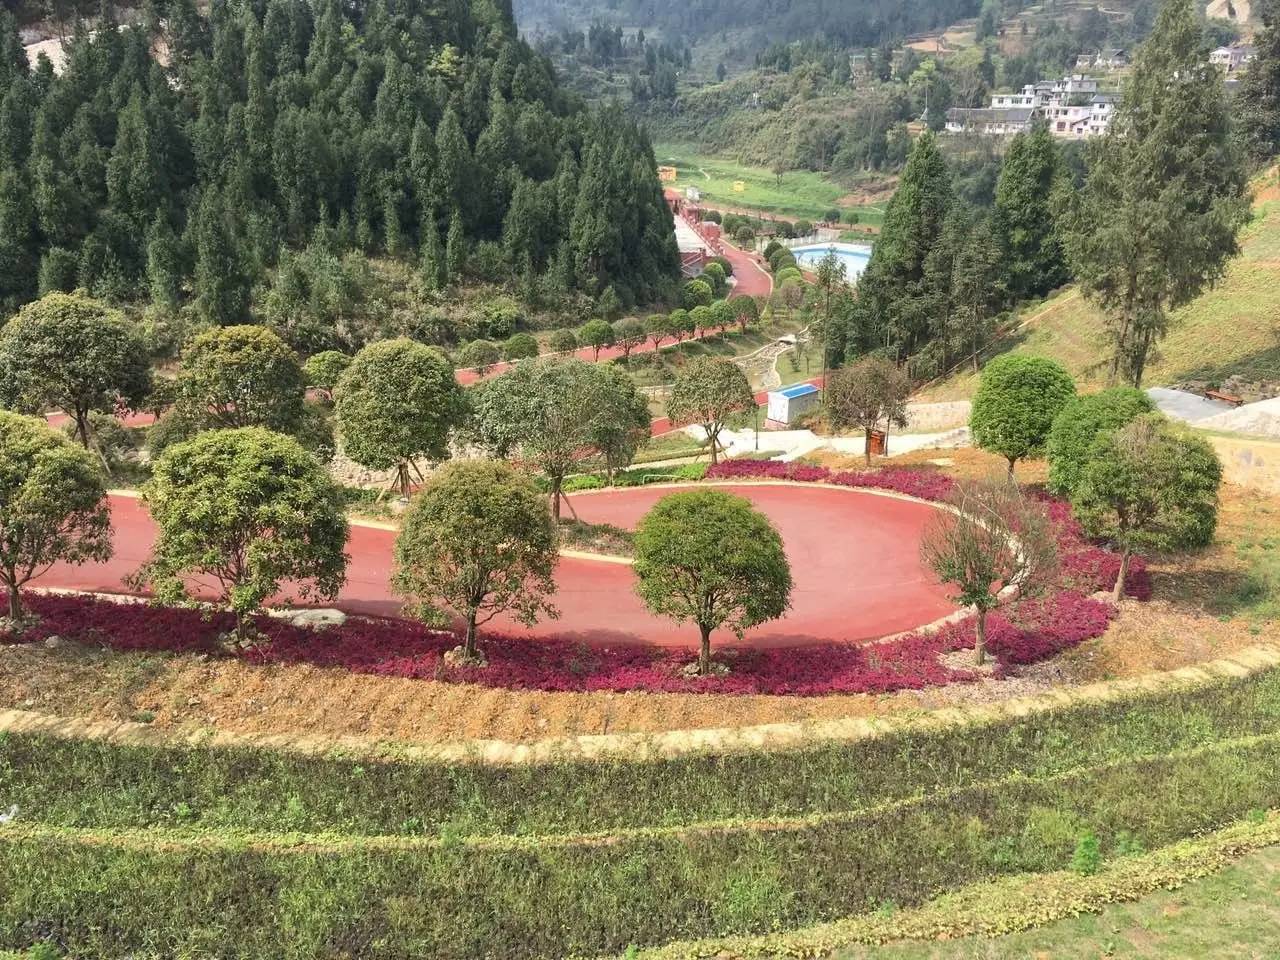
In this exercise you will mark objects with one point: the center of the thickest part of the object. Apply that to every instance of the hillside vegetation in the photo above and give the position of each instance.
(1232, 329)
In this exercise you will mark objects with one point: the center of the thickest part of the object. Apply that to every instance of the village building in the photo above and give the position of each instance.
(1072, 107)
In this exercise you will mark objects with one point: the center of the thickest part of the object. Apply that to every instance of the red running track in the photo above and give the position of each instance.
(854, 558)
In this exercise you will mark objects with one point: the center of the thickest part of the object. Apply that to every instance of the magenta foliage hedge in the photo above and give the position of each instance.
(1020, 633)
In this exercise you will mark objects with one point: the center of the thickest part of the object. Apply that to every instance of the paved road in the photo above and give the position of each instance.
(853, 556)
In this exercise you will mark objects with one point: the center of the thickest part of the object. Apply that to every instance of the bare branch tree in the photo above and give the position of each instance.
(995, 538)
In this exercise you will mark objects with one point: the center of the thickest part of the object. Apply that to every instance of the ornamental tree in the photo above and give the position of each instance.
(660, 327)
(323, 370)
(75, 353)
(479, 355)
(870, 392)
(563, 340)
(995, 538)
(249, 509)
(622, 422)
(477, 541)
(746, 311)
(241, 376)
(696, 293)
(1017, 400)
(53, 505)
(708, 392)
(596, 334)
(546, 412)
(1081, 421)
(1149, 485)
(629, 333)
(708, 557)
(397, 404)
(520, 346)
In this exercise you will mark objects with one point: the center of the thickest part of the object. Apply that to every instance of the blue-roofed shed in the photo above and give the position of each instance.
(790, 403)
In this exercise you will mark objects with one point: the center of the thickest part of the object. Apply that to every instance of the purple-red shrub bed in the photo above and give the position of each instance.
(399, 648)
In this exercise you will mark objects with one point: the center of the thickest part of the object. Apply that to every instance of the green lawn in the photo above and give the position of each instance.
(801, 195)
(1232, 914)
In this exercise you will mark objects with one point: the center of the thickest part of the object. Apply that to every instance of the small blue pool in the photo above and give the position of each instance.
(853, 255)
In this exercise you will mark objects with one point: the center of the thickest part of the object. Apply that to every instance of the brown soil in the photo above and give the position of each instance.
(1184, 624)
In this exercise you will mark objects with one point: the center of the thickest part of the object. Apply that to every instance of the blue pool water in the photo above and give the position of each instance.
(853, 255)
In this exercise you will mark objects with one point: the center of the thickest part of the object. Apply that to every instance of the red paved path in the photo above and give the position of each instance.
(853, 556)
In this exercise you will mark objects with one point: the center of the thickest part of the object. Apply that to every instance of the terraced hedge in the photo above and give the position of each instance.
(230, 853)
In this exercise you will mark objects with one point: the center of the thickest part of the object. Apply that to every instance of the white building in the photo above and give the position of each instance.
(1232, 58)
(1073, 108)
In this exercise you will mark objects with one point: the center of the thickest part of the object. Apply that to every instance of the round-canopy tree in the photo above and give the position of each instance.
(708, 557)
(629, 333)
(1149, 485)
(1017, 399)
(995, 538)
(53, 504)
(1080, 423)
(479, 355)
(71, 352)
(563, 340)
(477, 541)
(249, 508)
(396, 404)
(596, 334)
(746, 311)
(241, 376)
(323, 370)
(520, 346)
(708, 392)
(622, 421)
(548, 412)
(870, 392)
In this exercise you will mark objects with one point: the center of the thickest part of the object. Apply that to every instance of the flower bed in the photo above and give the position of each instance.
(1019, 633)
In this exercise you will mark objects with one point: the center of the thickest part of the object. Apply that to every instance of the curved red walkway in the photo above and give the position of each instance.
(853, 557)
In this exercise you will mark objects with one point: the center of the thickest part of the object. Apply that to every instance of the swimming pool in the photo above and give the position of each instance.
(854, 256)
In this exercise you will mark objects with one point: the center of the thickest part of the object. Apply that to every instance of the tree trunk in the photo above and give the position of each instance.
(469, 640)
(1117, 593)
(866, 446)
(15, 602)
(715, 442)
(1011, 463)
(82, 427)
(402, 479)
(555, 497)
(980, 639)
(704, 656)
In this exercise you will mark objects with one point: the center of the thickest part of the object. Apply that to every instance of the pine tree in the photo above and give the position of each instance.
(977, 289)
(456, 248)
(18, 250)
(221, 281)
(1029, 176)
(1165, 196)
(435, 269)
(1258, 101)
(164, 264)
(892, 310)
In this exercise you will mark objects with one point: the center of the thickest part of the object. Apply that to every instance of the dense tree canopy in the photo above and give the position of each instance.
(1259, 97)
(398, 403)
(1029, 176)
(72, 353)
(241, 376)
(711, 558)
(1016, 403)
(478, 541)
(53, 504)
(393, 125)
(708, 392)
(1080, 423)
(249, 509)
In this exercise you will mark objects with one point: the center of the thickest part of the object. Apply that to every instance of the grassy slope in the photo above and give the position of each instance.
(1235, 913)
(802, 195)
(1233, 328)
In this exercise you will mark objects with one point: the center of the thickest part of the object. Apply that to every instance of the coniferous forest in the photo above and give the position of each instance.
(186, 159)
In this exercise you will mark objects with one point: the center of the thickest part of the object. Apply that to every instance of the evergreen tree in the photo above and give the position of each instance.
(1258, 101)
(1165, 195)
(164, 264)
(222, 281)
(435, 269)
(892, 310)
(1028, 228)
(455, 249)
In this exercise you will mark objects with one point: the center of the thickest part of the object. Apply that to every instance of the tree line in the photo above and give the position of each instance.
(181, 159)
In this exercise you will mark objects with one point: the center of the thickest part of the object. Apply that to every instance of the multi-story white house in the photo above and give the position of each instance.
(1072, 107)
(1234, 57)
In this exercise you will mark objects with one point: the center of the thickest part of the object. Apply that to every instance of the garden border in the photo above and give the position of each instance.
(646, 746)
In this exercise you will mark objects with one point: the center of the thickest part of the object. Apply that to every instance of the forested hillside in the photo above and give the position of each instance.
(763, 22)
(182, 159)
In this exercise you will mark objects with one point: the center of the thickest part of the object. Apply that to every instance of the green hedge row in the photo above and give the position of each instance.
(156, 893)
(91, 783)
